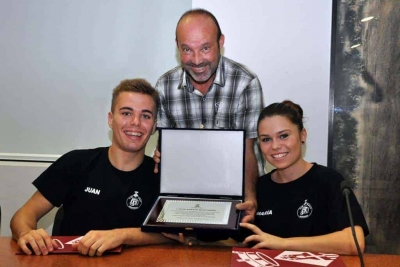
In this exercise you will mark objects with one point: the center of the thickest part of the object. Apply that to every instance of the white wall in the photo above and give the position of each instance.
(287, 44)
(15, 188)
(60, 61)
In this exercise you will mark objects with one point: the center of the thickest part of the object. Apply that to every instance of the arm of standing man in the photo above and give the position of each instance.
(249, 109)
(157, 159)
(249, 207)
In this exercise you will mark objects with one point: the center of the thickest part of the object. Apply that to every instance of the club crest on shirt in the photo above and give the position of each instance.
(305, 210)
(134, 201)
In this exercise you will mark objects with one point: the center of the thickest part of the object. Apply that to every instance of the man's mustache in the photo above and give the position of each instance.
(202, 64)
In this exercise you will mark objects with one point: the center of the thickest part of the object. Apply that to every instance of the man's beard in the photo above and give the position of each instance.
(205, 75)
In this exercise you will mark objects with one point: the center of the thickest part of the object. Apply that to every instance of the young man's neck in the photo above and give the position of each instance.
(125, 161)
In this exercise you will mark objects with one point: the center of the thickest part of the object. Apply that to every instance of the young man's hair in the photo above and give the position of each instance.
(135, 86)
(201, 11)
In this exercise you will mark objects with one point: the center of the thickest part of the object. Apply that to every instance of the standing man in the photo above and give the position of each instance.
(209, 90)
(106, 192)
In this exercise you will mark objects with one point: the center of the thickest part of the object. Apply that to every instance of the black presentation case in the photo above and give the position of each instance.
(205, 165)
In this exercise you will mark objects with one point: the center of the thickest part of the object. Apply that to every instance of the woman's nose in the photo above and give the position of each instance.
(276, 144)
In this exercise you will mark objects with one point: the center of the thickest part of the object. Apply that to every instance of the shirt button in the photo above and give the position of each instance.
(201, 126)
(204, 99)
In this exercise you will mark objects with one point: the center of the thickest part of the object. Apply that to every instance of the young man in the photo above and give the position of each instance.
(105, 192)
(209, 90)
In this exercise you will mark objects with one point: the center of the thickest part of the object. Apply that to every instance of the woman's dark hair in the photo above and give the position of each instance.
(287, 109)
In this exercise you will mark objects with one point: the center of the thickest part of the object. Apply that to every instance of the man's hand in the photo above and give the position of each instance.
(249, 209)
(157, 159)
(38, 240)
(95, 243)
(262, 239)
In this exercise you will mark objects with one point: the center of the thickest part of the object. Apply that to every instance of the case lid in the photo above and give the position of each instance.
(202, 161)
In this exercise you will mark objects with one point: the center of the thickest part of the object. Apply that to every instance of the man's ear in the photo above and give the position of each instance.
(221, 41)
(110, 119)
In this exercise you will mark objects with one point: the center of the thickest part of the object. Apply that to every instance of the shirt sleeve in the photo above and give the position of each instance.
(162, 118)
(338, 217)
(250, 106)
(55, 182)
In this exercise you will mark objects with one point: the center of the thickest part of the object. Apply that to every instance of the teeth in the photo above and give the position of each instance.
(278, 156)
(134, 134)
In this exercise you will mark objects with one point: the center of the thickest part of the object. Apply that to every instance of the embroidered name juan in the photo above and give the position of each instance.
(92, 190)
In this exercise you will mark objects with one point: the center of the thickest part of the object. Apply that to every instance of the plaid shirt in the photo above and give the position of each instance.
(234, 100)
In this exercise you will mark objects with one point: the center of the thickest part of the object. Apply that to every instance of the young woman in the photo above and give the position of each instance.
(300, 204)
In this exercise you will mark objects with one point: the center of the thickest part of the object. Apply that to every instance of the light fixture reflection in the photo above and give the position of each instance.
(367, 19)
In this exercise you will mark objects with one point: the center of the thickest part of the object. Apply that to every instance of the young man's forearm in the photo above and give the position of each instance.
(21, 224)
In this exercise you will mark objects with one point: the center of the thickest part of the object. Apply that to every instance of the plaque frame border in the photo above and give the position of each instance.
(150, 224)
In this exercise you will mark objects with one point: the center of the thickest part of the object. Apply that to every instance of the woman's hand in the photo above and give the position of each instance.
(262, 239)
